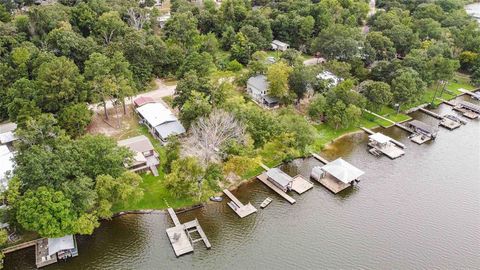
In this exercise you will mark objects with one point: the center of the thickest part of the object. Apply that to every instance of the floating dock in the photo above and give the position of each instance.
(421, 132)
(180, 235)
(301, 185)
(238, 207)
(264, 179)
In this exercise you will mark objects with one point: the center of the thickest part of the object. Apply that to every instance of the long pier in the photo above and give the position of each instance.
(238, 207)
(433, 114)
(21, 246)
(321, 159)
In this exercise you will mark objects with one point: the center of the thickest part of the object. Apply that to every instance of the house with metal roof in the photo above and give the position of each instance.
(331, 79)
(280, 179)
(6, 166)
(257, 88)
(160, 121)
(145, 157)
(280, 46)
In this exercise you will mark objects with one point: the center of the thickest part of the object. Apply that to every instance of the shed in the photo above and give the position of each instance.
(280, 179)
(342, 170)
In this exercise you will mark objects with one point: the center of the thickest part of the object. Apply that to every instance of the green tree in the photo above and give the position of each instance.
(109, 26)
(338, 42)
(407, 87)
(59, 84)
(317, 107)
(377, 94)
(4, 14)
(242, 48)
(277, 77)
(201, 63)
(185, 179)
(182, 28)
(75, 119)
(112, 191)
(47, 212)
(298, 81)
(197, 105)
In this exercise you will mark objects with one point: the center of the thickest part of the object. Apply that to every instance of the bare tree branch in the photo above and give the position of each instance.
(209, 134)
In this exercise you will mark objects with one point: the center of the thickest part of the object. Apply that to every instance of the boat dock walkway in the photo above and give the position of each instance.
(321, 159)
(399, 144)
(264, 179)
(473, 93)
(238, 207)
(180, 236)
(436, 115)
(447, 102)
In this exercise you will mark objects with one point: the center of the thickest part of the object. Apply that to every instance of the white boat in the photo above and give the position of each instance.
(266, 202)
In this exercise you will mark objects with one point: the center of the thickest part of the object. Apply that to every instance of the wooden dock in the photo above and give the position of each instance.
(318, 157)
(301, 185)
(433, 114)
(390, 150)
(333, 184)
(238, 207)
(449, 123)
(447, 102)
(264, 179)
(180, 235)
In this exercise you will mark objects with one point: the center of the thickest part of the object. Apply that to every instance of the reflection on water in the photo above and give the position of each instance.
(418, 211)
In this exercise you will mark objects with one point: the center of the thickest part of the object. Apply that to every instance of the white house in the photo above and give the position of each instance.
(332, 79)
(280, 46)
(160, 121)
(257, 88)
(6, 166)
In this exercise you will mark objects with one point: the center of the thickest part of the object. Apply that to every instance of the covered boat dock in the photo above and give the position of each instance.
(336, 175)
(468, 109)
(422, 132)
(381, 143)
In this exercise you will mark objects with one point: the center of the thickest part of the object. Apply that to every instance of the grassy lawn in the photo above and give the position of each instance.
(155, 196)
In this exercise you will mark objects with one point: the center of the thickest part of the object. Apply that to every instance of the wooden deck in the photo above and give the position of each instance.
(333, 184)
(449, 124)
(390, 150)
(264, 179)
(238, 207)
(301, 185)
(180, 235)
(420, 138)
(399, 144)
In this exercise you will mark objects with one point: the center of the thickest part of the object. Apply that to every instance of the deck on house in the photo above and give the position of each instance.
(301, 185)
(332, 184)
(238, 207)
(264, 179)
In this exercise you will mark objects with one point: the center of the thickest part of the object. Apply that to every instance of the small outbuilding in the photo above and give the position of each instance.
(331, 79)
(277, 45)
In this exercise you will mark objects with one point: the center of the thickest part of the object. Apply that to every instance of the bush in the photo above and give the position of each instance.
(234, 66)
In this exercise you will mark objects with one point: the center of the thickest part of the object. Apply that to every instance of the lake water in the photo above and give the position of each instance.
(419, 211)
(474, 10)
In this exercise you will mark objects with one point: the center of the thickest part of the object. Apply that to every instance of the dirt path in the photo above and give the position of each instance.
(164, 89)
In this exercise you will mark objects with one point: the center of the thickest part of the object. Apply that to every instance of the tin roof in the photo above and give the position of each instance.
(58, 244)
(279, 177)
(342, 170)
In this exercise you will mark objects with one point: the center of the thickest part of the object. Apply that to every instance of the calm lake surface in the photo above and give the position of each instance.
(418, 211)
